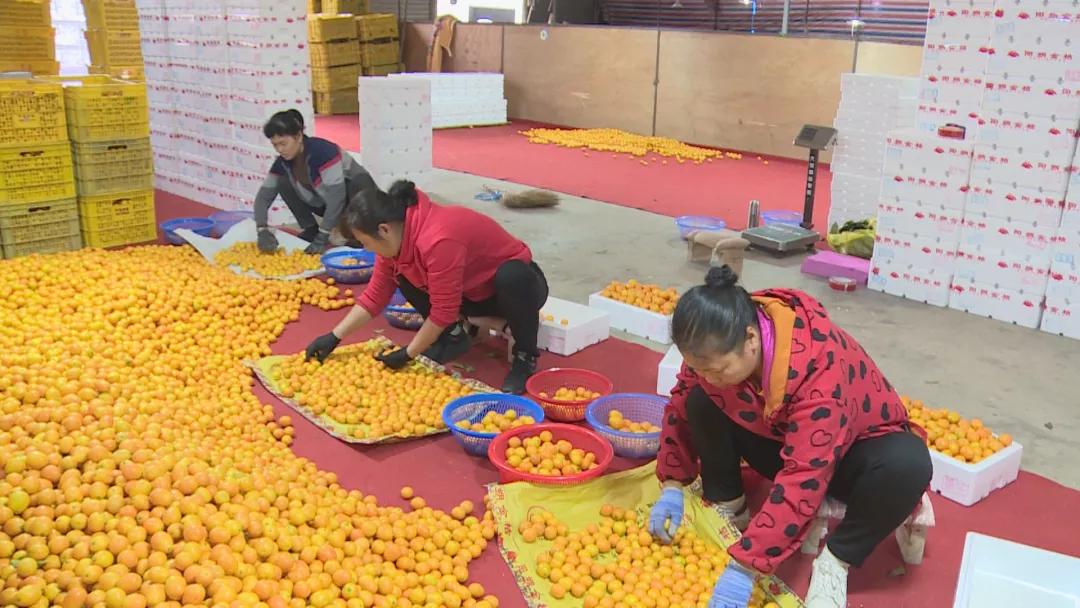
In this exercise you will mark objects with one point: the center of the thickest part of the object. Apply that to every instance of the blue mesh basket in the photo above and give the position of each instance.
(400, 314)
(223, 220)
(474, 407)
(637, 407)
(790, 218)
(199, 225)
(689, 224)
(343, 273)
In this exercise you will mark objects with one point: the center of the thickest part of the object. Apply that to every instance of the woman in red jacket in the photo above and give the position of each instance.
(450, 263)
(769, 379)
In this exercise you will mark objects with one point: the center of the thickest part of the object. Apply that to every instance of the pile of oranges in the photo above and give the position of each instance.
(617, 421)
(947, 432)
(571, 394)
(541, 455)
(615, 140)
(616, 562)
(139, 469)
(278, 264)
(352, 388)
(496, 422)
(643, 295)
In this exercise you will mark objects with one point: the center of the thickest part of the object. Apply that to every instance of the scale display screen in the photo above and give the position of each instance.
(815, 137)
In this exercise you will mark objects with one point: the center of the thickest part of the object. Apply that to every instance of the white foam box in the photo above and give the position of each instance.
(1062, 317)
(965, 91)
(1016, 237)
(996, 573)
(668, 370)
(930, 117)
(266, 52)
(1036, 97)
(203, 124)
(1063, 283)
(949, 194)
(968, 483)
(1020, 203)
(256, 26)
(253, 158)
(927, 285)
(999, 303)
(910, 152)
(260, 107)
(1021, 130)
(633, 319)
(266, 7)
(1003, 269)
(916, 217)
(583, 327)
(913, 250)
(1023, 167)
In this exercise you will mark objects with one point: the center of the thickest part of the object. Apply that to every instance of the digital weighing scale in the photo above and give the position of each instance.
(785, 238)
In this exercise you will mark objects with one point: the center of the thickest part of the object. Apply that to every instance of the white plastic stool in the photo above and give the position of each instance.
(910, 536)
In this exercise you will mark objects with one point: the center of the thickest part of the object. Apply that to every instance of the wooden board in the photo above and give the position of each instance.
(581, 76)
(476, 48)
(746, 92)
(889, 59)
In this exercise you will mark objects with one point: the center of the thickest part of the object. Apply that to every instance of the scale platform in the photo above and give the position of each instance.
(781, 238)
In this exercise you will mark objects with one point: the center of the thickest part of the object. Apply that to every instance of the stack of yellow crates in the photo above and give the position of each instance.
(335, 63)
(109, 124)
(27, 39)
(112, 36)
(37, 184)
(380, 52)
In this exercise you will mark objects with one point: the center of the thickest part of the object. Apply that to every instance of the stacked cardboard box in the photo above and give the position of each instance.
(112, 35)
(380, 49)
(27, 39)
(335, 63)
(870, 107)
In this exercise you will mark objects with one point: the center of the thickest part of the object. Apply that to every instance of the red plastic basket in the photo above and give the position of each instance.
(551, 380)
(581, 437)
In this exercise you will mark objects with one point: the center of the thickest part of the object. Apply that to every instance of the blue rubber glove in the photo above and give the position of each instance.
(733, 588)
(668, 509)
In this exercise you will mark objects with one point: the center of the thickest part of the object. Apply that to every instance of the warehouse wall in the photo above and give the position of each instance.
(749, 93)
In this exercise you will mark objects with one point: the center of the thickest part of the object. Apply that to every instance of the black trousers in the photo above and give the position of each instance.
(520, 292)
(881, 480)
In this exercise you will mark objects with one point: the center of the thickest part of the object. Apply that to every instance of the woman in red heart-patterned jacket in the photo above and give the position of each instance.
(770, 380)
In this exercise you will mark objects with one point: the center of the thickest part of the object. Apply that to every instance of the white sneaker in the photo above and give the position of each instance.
(828, 583)
(734, 511)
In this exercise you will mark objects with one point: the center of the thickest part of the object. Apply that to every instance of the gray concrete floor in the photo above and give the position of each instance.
(1017, 380)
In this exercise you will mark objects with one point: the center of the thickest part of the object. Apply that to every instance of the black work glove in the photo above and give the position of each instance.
(321, 347)
(318, 244)
(395, 359)
(267, 241)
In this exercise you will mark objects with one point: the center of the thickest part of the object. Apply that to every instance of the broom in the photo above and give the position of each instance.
(531, 199)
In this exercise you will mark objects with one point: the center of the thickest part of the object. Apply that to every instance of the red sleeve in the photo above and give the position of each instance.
(677, 460)
(376, 296)
(813, 444)
(445, 276)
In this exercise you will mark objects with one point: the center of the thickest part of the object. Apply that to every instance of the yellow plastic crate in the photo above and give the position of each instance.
(325, 27)
(114, 47)
(130, 235)
(328, 54)
(111, 14)
(108, 211)
(100, 108)
(25, 166)
(39, 221)
(126, 72)
(27, 43)
(337, 102)
(43, 247)
(113, 185)
(377, 26)
(25, 13)
(378, 53)
(337, 78)
(383, 70)
(37, 67)
(314, 6)
(31, 111)
(113, 159)
(345, 7)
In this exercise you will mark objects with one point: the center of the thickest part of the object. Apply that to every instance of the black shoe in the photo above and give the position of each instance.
(453, 343)
(523, 367)
(309, 234)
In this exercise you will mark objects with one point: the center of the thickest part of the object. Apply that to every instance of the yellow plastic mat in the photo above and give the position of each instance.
(264, 371)
(579, 505)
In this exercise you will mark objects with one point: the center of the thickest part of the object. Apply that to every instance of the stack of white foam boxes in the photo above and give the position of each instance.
(395, 129)
(464, 99)
(216, 70)
(870, 107)
(69, 21)
(1062, 313)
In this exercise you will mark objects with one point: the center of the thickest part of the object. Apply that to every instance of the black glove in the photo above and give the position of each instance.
(318, 244)
(321, 347)
(395, 359)
(267, 241)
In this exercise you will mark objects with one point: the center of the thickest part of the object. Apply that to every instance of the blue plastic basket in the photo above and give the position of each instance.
(638, 407)
(349, 274)
(791, 218)
(689, 224)
(223, 220)
(474, 407)
(199, 225)
(401, 314)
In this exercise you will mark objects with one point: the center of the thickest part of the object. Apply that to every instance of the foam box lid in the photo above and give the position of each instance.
(832, 264)
(997, 573)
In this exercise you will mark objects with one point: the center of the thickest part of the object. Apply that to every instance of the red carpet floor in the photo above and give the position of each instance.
(721, 188)
(1033, 510)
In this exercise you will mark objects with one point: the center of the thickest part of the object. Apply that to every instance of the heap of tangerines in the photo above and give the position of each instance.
(952, 435)
(643, 295)
(138, 469)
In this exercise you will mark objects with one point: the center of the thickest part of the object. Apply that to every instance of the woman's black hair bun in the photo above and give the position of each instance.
(403, 191)
(721, 277)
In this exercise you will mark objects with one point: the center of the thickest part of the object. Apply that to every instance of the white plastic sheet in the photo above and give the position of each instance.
(247, 232)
